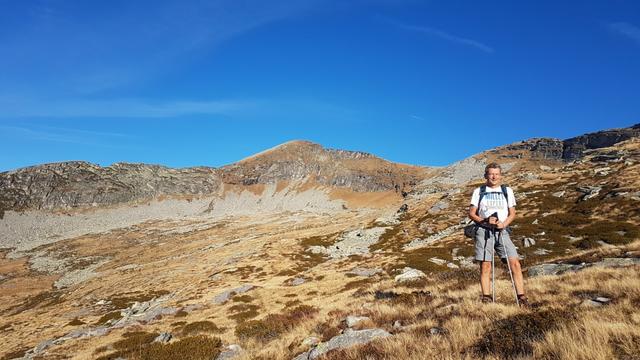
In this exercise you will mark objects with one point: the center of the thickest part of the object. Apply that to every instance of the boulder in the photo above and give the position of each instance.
(347, 339)
(409, 274)
(552, 269)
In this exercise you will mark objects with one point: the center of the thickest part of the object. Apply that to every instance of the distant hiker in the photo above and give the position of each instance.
(493, 209)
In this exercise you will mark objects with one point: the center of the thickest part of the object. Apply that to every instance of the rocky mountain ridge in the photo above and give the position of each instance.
(79, 184)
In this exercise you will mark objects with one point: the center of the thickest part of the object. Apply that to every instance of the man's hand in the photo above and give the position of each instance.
(493, 220)
(500, 225)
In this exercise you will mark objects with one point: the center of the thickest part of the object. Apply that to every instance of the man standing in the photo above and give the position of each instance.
(493, 209)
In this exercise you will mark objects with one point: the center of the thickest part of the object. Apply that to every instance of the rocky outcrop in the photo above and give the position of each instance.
(81, 184)
(567, 150)
(348, 339)
(537, 148)
(574, 147)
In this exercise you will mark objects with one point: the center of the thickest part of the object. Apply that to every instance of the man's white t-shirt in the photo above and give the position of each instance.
(493, 201)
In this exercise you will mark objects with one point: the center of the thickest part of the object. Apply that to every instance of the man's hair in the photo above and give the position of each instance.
(493, 165)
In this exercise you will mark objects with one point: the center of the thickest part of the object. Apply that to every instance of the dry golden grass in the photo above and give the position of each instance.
(558, 326)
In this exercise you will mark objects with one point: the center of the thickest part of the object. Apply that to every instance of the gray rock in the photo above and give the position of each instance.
(163, 338)
(397, 325)
(553, 269)
(438, 331)
(559, 193)
(439, 206)
(352, 321)
(542, 252)
(311, 341)
(438, 261)
(409, 274)
(228, 294)
(345, 340)
(589, 192)
(602, 300)
(81, 184)
(527, 242)
(229, 352)
(557, 269)
(296, 281)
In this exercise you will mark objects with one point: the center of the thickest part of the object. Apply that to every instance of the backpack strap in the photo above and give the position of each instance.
(505, 193)
(483, 192)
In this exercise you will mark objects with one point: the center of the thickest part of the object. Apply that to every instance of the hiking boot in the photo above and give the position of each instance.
(486, 299)
(523, 301)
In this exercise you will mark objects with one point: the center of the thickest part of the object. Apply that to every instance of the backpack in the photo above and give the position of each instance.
(470, 229)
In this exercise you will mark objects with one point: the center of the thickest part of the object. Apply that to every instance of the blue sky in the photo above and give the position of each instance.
(188, 83)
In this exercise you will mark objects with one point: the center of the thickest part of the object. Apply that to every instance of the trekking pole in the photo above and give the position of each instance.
(513, 284)
(493, 270)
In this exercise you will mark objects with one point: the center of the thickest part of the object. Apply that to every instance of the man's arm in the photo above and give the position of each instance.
(512, 215)
(473, 214)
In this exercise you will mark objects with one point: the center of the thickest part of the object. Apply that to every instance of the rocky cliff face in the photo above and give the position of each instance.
(79, 184)
(574, 147)
(566, 150)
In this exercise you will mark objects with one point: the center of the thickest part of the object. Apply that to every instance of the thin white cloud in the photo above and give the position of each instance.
(70, 50)
(444, 36)
(62, 135)
(626, 29)
(120, 108)
(275, 109)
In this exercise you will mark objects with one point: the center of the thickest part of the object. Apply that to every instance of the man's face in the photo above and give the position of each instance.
(493, 176)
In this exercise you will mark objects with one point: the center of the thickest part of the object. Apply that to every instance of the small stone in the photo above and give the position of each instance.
(452, 266)
(545, 168)
(296, 281)
(438, 261)
(311, 341)
(397, 325)
(602, 300)
(559, 193)
(438, 331)
(352, 321)
(163, 338)
(229, 352)
(528, 242)
(542, 252)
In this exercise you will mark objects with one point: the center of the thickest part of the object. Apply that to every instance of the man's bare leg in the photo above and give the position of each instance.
(485, 277)
(517, 274)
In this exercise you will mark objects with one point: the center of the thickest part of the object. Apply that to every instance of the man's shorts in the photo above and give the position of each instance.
(487, 239)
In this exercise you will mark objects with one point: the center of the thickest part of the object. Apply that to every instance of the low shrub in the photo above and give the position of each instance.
(514, 336)
(273, 325)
